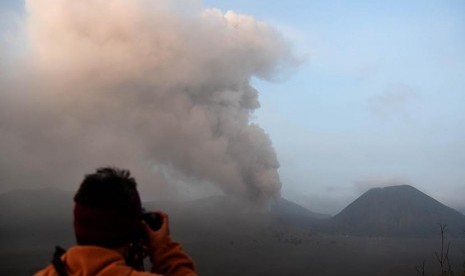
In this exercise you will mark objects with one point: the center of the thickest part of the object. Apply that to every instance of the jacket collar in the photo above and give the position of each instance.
(91, 260)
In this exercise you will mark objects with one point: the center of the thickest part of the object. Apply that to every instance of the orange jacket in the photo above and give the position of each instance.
(94, 260)
(166, 256)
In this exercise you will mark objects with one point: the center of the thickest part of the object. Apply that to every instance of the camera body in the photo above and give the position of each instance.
(151, 219)
(138, 249)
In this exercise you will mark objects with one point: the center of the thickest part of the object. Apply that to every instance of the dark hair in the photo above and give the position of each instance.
(107, 187)
(107, 209)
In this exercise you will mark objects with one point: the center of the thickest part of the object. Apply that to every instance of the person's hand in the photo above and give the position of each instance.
(167, 256)
(160, 236)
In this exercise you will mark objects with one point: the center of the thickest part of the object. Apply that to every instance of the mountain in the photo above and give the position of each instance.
(461, 210)
(225, 236)
(35, 218)
(397, 211)
(29, 217)
(41, 208)
(224, 212)
(35, 204)
(292, 214)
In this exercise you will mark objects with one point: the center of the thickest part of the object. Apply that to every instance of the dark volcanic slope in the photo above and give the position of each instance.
(36, 204)
(228, 209)
(224, 236)
(290, 213)
(31, 213)
(397, 211)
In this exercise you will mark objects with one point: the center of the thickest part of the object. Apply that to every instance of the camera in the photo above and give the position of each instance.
(138, 249)
(151, 219)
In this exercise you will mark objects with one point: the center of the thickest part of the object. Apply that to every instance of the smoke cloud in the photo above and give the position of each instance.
(159, 87)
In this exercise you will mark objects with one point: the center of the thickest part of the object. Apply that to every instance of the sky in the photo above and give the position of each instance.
(380, 100)
(377, 99)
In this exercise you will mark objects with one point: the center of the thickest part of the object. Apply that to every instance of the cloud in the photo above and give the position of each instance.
(393, 102)
(141, 84)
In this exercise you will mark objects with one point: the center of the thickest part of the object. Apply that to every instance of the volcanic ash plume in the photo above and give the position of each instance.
(143, 85)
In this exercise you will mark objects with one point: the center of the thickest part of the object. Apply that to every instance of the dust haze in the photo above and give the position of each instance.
(159, 87)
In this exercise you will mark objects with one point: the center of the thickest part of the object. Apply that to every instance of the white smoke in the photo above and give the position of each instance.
(143, 85)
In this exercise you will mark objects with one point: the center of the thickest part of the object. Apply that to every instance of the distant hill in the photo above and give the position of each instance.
(39, 207)
(397, 211)
(462, 210)
(293, 214)
(227, 237)
(37, 215)
(227, 212)
(35, 218)
(35, 204)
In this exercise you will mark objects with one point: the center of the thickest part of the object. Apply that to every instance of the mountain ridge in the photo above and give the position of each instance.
(397, 211)
(402, 211)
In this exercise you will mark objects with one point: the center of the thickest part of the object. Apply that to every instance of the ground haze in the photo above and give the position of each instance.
(226, 237)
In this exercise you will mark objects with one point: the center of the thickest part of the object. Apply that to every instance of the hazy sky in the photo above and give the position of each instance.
(379, 101)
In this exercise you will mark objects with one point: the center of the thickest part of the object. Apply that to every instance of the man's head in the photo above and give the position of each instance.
(108, 208)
